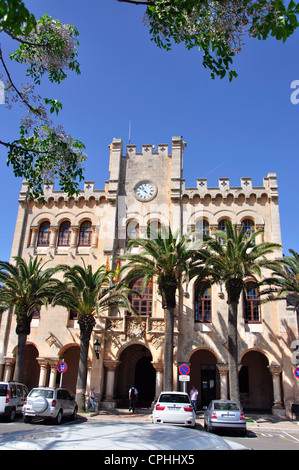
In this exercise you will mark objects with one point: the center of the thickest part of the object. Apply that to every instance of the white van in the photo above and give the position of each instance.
(12, 398)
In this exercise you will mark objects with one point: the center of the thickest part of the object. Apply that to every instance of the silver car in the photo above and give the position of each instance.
(48, 402)
(226, 414)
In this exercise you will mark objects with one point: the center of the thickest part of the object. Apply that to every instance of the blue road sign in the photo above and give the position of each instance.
(62, 367)
(184, 369)
(296, 372)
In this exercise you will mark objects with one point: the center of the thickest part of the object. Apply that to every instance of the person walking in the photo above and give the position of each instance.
(133, 395)
(193, 397)
(91, 400)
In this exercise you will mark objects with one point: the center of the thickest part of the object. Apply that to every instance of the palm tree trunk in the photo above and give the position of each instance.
(18, 373)
(233, 351)
(22, 330)
(86, 323)
(82, 370)
(168, 348)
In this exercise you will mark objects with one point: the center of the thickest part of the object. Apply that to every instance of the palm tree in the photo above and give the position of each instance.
(284, 283)
(229, 257)
(88, 294)
(26, 287)
(164, 256)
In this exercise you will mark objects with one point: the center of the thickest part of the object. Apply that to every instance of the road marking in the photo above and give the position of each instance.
(294, 438)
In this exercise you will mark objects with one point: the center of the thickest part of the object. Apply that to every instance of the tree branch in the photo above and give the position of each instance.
(34, 110)
(136, 2)
(19, 147)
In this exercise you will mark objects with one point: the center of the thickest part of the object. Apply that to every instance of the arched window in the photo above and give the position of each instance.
(248, 227)
(85, 234)
(251, 303)
(203, 304)
(132, 230)
(222, 227)
(143, 305)
(64, 234)
(202, 226)
(153, 229)
(44, 234)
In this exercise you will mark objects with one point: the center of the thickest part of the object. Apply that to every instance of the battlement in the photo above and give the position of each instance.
(224, 190)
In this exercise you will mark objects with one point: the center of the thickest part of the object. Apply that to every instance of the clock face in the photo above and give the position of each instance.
(145, 191)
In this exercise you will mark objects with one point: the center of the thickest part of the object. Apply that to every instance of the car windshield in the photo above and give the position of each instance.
(226, 406)
(173, 398)
(41, 393)
(3, 390)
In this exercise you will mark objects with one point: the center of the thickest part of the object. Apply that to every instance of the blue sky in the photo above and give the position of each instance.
(246, 128)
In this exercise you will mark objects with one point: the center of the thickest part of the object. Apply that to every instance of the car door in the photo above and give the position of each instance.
(67, 403)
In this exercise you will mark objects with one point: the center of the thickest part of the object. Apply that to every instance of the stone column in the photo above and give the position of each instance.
(43, 364)
(223, 372)
(111, 367)
(277, 408)
(53, 237)
(9, 363)
(53, 372)
(159, 377)
(34, 233)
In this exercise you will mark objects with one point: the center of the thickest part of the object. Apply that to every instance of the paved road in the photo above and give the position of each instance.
(263, 432)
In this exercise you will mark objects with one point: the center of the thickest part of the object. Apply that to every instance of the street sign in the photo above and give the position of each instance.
(184, 378)
(184, 369)
(62, 367)
(296, 372)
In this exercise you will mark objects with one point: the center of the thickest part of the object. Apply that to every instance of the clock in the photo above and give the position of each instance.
(145, 191)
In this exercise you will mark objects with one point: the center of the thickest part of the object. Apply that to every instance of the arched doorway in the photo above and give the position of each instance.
(256, 390)
(204, 375)
(136, 369)
(71, 357)
(31, 367)
(145, 378)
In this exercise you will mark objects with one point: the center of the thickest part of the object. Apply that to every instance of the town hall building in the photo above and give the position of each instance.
(146, 188)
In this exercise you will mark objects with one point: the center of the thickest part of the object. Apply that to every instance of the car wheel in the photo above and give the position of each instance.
(74, 415)
(27, 419)
(58, 418)
(12, 414)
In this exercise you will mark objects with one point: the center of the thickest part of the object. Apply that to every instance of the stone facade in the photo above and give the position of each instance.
(95, 226)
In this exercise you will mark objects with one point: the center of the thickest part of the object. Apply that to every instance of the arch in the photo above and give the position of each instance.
(132, 230)
(31, 368)
(64, 233)
(70, 354)
(85, 233)
(44, 233)
(204, 374)
(250, 214)
(135, 369)
(256, 388)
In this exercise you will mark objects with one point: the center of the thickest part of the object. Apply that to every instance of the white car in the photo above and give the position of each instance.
(47, 402)
(12, 397)
(174, 408)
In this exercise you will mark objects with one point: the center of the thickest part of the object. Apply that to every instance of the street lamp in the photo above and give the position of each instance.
(96, 346)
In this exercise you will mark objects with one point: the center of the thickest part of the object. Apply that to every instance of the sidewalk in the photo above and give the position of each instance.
(144, 415)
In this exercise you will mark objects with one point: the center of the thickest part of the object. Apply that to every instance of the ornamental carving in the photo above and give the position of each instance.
(135, 328)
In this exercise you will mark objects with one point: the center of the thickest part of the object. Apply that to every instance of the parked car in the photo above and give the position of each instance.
(12, 398)
(174, 408)
(222, 414)
(49, 402)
